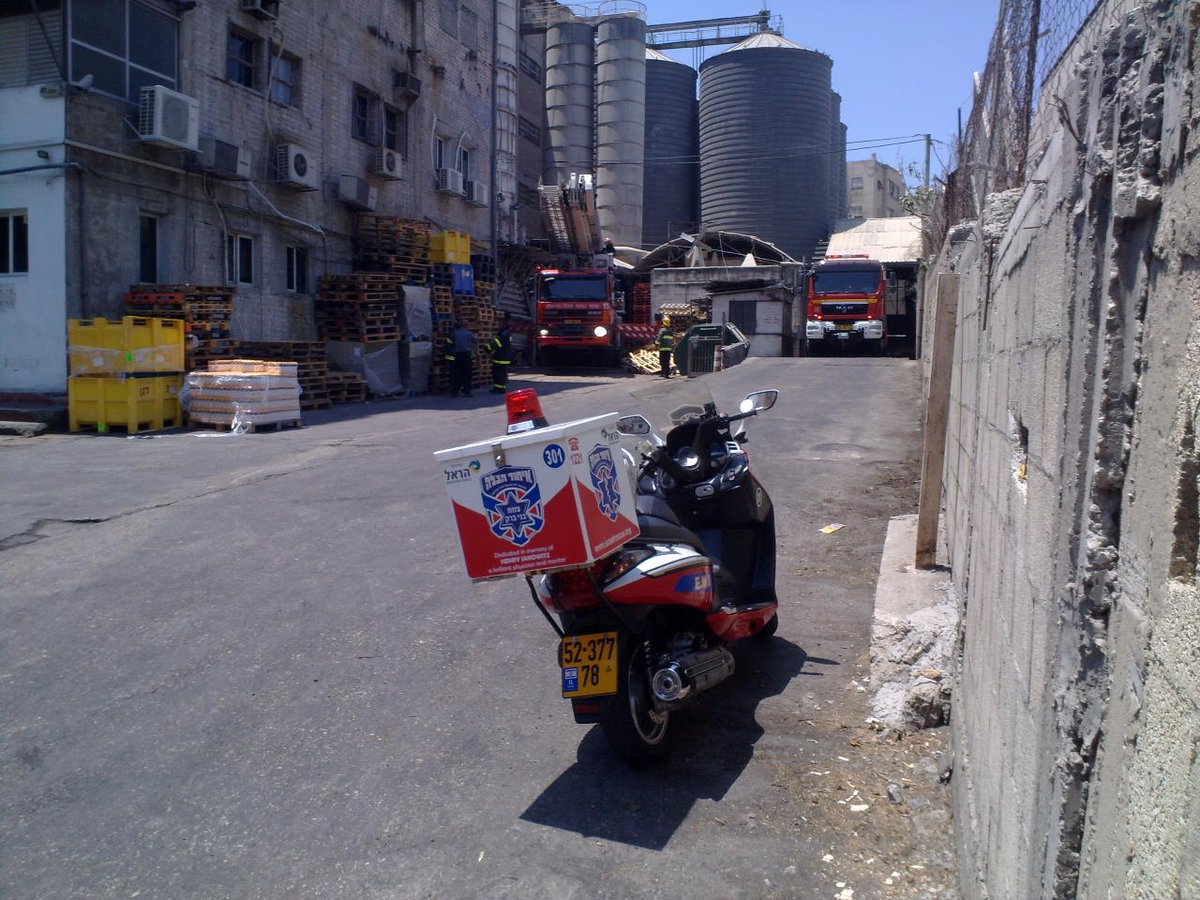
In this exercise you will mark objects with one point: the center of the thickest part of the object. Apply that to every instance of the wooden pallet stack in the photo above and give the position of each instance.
(312, 367)
(476, 311)
(346, 387)
(361, 306)
(641, 303)
(392, 245)
(244, 394)
(206, 313)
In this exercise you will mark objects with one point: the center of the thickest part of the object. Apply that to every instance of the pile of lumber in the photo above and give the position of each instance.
(645, 362)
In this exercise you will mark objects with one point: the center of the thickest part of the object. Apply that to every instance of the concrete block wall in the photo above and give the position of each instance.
(1072, 481)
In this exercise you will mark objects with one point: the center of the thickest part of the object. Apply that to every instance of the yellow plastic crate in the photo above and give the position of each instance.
(450, 247)
(133, 344)
(135, 404)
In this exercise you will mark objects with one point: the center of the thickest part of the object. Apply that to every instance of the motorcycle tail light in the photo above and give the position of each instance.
(623, 562)
(571, 589)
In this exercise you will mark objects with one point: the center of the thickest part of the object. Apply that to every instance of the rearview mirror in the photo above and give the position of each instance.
(633, 425)
(759, 400)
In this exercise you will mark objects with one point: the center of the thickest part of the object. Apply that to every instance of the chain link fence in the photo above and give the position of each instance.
(1030, 39)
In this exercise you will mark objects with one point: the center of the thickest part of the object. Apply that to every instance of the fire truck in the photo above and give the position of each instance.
(847, 303)
(576, 316)
(577, 304)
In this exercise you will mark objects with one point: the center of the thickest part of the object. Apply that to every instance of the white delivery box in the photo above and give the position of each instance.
(550, 498)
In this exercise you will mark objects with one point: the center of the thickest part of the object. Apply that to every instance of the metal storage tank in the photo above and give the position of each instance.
(620, 126)
(671, 186)
(838, 188)
(570, 67)
(765, 142)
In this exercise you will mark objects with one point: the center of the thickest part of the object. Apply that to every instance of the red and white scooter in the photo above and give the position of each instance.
(645, 631)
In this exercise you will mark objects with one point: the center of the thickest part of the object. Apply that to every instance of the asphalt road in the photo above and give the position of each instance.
(252, 666)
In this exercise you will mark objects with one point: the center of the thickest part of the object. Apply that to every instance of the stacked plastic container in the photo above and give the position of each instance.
(125, 374)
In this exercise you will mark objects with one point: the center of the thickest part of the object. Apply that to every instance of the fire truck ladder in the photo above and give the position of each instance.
(570, 216)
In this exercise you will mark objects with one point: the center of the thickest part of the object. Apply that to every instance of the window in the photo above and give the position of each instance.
(469, 28)
(531, 67)
(529, 131)
(30, 54)
(439, 154)
(148, 250)
(744, 315)
(394, 129)
(14, 242)
(240, 58)
(239, 259)
(285, 79)
(364, 109)
(448, 16)
(464, 163)
(856, 212)
(856, 182)
(124, 45)
(297, 269)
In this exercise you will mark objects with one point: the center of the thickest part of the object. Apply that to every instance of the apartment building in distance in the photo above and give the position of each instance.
(874, 190)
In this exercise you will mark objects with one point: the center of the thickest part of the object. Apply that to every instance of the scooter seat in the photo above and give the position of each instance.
(658, 522)
(657, 529)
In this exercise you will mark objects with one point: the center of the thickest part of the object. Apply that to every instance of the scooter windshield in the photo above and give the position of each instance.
(673, 401)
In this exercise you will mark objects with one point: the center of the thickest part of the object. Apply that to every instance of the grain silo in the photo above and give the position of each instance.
(766, 141)
(620, 125)
(570, 64)
(671, 188)
(838, 187)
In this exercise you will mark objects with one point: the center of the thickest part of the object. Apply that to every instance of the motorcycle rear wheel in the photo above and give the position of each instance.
(632, 726)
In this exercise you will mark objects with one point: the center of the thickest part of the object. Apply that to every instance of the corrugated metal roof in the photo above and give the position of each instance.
(893, 240)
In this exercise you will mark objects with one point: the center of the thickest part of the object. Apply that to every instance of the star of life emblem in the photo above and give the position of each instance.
(603, 469)
(512, 501)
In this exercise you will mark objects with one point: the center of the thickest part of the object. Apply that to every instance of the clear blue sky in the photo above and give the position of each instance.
(902, 68)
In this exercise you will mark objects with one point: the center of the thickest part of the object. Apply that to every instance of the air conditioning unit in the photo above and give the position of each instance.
(355, 192)
(477, 193)
(407, 84)
(450, 181)
(168, 118)
(263, 9)
(297, 167)
(387, 164)
(225, 159)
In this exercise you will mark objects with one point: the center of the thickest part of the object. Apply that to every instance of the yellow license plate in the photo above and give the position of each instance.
(845, 328)
(589, 664)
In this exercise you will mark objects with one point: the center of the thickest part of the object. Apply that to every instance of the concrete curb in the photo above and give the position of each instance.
(913, 635)
(24, 429)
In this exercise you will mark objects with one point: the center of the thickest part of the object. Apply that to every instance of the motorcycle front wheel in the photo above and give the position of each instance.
(632, 725)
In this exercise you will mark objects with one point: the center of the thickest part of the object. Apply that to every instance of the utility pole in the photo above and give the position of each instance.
(928, 150)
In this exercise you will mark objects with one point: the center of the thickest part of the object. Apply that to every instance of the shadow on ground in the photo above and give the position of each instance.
(602, 796)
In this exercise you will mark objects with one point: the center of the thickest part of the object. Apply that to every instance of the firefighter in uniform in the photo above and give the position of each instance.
(500, 349)
(666, 344)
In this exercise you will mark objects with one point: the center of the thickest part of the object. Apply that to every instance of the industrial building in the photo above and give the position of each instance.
(236, 142)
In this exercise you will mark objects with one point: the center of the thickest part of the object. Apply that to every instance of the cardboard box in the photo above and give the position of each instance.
(552, 498)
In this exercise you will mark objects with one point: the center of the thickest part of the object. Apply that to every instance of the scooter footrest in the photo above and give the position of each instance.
(746, 607)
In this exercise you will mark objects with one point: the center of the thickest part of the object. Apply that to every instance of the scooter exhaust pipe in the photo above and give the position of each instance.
(692, 673)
